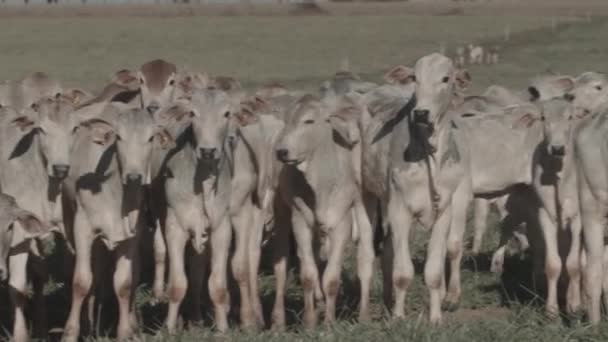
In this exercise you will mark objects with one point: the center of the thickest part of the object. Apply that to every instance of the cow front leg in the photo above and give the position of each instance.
(309, 275)
(178, 283)
(124, 286)
(83, 275)
(218, 287)
(434, 269)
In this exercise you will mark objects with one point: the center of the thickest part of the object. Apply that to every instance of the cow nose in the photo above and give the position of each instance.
(152, 108)
(421, 116)
(134, 178)
(569, 97)
(282, 154)
(61, 171)
(558, 150)
(208, 153)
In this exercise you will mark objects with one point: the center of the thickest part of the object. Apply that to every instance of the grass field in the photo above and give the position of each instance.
(302, 51)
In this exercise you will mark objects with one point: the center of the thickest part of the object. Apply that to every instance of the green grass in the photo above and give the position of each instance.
(303, 51)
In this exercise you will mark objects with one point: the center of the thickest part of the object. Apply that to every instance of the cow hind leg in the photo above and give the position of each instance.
(281, 249)
(218, 287)
(480, 223)
(573, 266)
(255, 246)
(198, 263)
(160, 255)
(17, 293)
(365, 260)
(39, 278)
(460, 203)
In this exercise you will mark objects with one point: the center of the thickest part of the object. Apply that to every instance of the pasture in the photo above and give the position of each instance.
(301, 51)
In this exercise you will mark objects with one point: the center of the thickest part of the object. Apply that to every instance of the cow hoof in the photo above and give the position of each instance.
(450, 306)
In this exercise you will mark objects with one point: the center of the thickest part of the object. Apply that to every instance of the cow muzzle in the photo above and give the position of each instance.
(208, 154)
(134, 179)
(557, 150)
(61, 171)
(421, 116)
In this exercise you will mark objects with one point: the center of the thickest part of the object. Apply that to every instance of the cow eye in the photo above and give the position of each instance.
(10, 227)
(227, 114)
(445, 79)
(74, 130)
(172, 82)
(141, 80)
(151, 139)
(599, 88)
(413, 78)
(542, 118)
(118, 138)
(309, 122)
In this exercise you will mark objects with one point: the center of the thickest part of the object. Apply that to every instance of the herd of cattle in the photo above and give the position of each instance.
(473, 54)
(192, 160)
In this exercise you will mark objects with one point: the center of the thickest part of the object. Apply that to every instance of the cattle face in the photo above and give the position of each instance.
(436, 82)
(212, 123)
(590, 94)
(547, 87)
(158, 82)
(135, 134)
(57, 127)
(313, 124)
(557, 118)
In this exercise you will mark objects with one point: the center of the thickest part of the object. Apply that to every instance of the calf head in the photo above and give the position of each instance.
(212, 115)
(158, 81)
(15, 222)
(312, 125)
(590, 94)
(550, 86)
(437, 81)
(57, 125)
(135, 134)
(557, 118)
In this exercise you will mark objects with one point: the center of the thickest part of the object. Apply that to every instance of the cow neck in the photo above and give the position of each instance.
(215, 176)
(332, 159)
(22, 173)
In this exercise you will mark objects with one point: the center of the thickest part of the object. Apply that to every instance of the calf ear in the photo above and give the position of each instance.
(400, 75)
(126, 78)
(189, 81)
(102, 132)
(25, 123)
(462, 79)
(31, 224)
(245, 117)
(164, 139)
(565, 82)
(524, 117)
(344, 122)
(77, 96)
